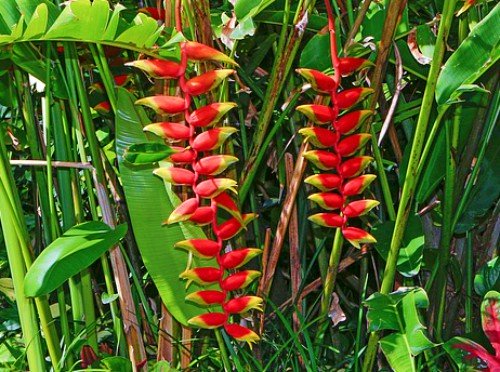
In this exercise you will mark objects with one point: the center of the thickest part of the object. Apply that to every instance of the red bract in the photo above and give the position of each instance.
(196, 169)
(348, 65)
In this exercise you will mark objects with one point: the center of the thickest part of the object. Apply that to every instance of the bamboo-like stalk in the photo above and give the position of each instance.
(411, 178)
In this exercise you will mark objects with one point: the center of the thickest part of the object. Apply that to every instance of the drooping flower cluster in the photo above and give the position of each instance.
(337, 147)
(198, 166)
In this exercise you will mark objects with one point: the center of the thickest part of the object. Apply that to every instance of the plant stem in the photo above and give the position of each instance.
(222, 348)
(411, 177)
(469, 281)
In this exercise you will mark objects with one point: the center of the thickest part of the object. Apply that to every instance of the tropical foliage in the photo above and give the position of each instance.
(249, 185)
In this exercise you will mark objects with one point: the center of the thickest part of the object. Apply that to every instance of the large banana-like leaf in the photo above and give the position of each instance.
(149, 204)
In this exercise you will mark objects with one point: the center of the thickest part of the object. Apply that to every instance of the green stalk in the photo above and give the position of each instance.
(359, 327)
(222, 348)
(447, 228)
(411, 177)
(469, 282)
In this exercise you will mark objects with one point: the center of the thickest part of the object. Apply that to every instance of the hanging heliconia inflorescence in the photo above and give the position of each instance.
(337, 147)
(199, 168)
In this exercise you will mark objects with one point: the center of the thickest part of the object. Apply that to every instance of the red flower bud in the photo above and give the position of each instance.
(348, 65)
(182, 156)
(202, 275)
(207, 298)
(322, 159)
(203, 248)
(201, 52)
(238, 258)
(320, 82)
(327, 200)
(349, 97)
(350, 145)
(212, 139)
(359, 207)
(324, 181)
(354, 166)
(233, 226)
(103, 108)
(357, 185)
(357, 236)
(88, 356)
(348, 123)
(211, 188)
(172, 131)
(239, 280)
(163, 104)
(206, 82)
(154, 13)
(227, 203)
(241, 333)
(327, 219)
(210, 114)
(214, 165)
(183, 212)
(158, 68)
(203, 216)
(243, 304)
(319, 114)
(319, 137)
(209, 321)
(176, 176)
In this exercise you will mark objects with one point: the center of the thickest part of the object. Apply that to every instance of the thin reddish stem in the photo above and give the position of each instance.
(178, 15)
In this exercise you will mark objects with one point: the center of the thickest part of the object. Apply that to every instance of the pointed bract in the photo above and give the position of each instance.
(172, 131)
(322, 159)
(184, 211)
(233, 226)
(359, 207)
(348, 65)
(357, 185)
(207, 298)
(206, 82)
(209, 320)
(203, 248)
(351, 121)
(324, 181)
(214, 165)
(202, 216)
(357, 236)
(243, 304)
(158, 68)
(239, 280)
(176, 176)
(354, 166)
(212, 187)
(319, 114)
(201, 52)
(320, 82)
(319, 137)
(350, 97)
(163, 104)
(327, 219)
(202, 275)
(352, 144)
(241, 333)
(227, 203)
(239, 257)
(210, 114)
(212, 139)
(182, 156)
(327, 200)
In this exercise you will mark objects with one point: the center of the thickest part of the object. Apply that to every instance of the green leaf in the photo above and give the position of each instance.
(117, 363)
(488, 277)
(478, 52)
(411, 252)
(146, 153)
(149, 205)
(398, 311)
(38, 22)
(66, 256)
(7, 288)
(250, 8)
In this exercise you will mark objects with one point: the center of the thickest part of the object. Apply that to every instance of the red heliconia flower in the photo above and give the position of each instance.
(153, 12)
(103, 108)
(202, 216)
(319, 137)
(202, 275)
(200, 52)
(350, 145)
(349, 97)
(324, 181)
(183, 211)
(120, 80)
(237, 258)
(354, 166)
(357, 185)
(357, 236)
(243, 304)
(163, 104)
(322, 159)
(327, 219)
(214, 165)
(209, 321)
(203, 248)
(241, 333)
(327, 200)
(227, 203)
(319, 114)
(320, 82)
(206, 82)
(88, 356)
(172, 131)
(359, 207)
(176, 176)
(212, 139)
(207, 298)
(158, 68)
(182, 156)
(348, 123)
(239, 280)
(348, 65)
(210, 114)
(212, 187)
(233, 226)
